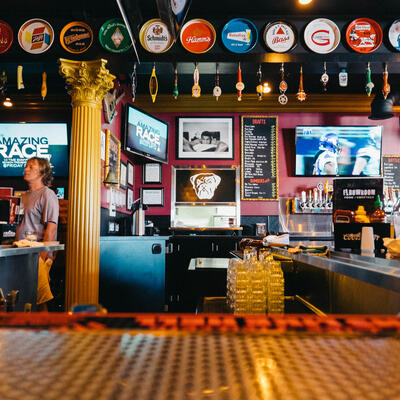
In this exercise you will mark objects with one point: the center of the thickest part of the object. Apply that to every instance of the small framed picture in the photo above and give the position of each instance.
(153, 197)
(129, 198)
(130, 174)
(113, 154)
(152, 173)
(122, 179)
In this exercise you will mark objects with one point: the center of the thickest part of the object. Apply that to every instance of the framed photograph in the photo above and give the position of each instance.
(152, 173)
(122, 179)
(129, 198)
(130, 174)
(113, 154)
(153, 197)
(205, 138)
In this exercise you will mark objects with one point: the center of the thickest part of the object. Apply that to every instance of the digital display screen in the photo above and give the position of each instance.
(146, 135)
(205, 185)
(21, 141)
(338, 150)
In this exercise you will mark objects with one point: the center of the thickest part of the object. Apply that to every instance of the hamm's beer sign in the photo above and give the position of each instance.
(19, 142)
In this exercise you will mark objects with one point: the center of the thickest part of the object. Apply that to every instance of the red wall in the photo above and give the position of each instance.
(289, 185)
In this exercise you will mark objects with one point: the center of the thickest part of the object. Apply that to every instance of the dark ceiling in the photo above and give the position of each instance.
(95, 13)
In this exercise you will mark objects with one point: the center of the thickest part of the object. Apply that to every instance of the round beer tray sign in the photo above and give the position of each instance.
(6, 36)
(322, 36)
(155, 37)
(280, 36)
(36, 36)
(114, 36)
(394, 34)
(239, 35)
(197, 36)
(364, 35)
(76, 37)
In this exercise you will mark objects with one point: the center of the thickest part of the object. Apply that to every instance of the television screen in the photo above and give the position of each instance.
(146, 135)
(338, 150)
(21, 141)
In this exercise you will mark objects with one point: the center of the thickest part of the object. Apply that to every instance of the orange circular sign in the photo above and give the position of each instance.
(197, 36)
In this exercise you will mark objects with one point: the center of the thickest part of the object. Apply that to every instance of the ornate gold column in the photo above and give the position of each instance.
(88, 82)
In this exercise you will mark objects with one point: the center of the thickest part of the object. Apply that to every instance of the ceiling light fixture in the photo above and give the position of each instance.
(304, 2)
(7, 102)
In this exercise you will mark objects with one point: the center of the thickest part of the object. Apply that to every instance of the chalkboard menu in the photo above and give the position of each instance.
(391, 171)
(259, 158)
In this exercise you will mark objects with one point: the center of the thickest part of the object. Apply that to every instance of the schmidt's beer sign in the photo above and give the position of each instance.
(19, 142)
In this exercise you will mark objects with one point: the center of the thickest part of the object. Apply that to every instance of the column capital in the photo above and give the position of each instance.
(88, 81)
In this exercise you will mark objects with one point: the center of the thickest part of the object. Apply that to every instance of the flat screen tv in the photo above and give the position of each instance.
(145, 135)
(21, 141)
(338, 150)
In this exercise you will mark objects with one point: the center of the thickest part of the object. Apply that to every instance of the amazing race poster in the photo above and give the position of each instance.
(22, 141)
(147, 135)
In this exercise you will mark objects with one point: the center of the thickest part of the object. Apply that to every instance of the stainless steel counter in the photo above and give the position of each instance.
(9, 250)
(376, 271)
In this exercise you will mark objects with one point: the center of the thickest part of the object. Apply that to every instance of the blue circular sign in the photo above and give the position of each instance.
(239, 35)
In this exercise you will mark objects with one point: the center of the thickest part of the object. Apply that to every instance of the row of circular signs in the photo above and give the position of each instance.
(36, 36)
(239, 35)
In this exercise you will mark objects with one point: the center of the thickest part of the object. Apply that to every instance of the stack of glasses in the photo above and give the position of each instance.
(255, 284)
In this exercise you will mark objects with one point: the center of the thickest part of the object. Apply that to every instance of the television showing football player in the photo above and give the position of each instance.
(326, 159)
(368, 158)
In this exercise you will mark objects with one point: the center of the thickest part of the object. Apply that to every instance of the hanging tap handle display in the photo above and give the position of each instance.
(301, 94)
(153, 84)
(20, 82)
(239, 84)
(133, 82)
(196, 90)
(259, 88)
(217, 89)
(368, 84)
(386, 86)
(282, 99)
(175, 92)
(324, 78)
(43, 90)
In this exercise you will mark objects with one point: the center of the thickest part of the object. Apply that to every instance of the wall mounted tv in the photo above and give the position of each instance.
(145, 135)
(338, 150)
(21, 141)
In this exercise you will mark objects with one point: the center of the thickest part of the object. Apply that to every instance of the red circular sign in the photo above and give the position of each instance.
(364, 35)
(6, 36)
(198, 36)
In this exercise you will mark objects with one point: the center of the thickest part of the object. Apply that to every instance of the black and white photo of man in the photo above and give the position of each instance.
(207, 141)
(205, 137)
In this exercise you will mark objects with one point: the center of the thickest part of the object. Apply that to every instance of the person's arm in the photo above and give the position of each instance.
(222, 146)
(359, 165)
(49, 235)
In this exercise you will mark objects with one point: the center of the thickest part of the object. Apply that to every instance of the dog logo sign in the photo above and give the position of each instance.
(204, 185)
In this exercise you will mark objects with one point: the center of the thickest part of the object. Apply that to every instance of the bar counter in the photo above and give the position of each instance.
(376, 271)
(19, 270)
(343, 282)
(214, 356)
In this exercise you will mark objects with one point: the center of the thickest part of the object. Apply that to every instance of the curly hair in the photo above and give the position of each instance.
(45, 170)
